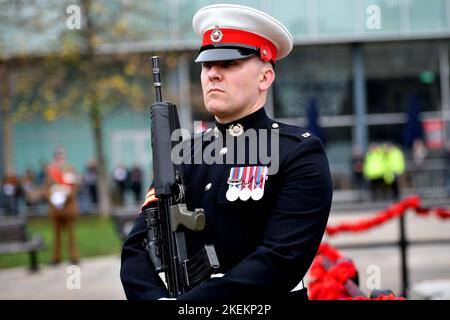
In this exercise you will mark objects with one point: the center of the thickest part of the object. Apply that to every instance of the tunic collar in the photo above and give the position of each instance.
(255, 120)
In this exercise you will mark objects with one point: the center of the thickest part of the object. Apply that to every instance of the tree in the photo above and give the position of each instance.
(70, 75)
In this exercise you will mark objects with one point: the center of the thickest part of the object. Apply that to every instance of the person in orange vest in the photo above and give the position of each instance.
(60, 192)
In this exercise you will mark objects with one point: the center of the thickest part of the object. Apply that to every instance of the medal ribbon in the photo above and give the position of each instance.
(235, 174)
(246, 177)
(263, 176)
(260, 177)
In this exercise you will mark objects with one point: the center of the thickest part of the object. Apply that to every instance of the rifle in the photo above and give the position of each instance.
(166, 241)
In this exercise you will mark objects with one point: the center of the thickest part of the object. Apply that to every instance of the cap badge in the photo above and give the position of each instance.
(266, 54)
(236, 130)
(216, 132)
(216, 35)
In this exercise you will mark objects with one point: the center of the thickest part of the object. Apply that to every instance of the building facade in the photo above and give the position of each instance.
(363, 63)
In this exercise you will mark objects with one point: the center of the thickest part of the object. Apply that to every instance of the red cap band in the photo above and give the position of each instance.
(268, 50)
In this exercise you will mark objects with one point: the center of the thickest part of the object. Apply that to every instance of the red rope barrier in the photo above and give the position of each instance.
(394, 211)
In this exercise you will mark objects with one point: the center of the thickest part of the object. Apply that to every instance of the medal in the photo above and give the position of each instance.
(234, 182)
(245, 192)
(232, 194)
(258, 189)
(257, 194)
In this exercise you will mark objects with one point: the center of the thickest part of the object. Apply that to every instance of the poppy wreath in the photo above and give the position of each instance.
(329, 284)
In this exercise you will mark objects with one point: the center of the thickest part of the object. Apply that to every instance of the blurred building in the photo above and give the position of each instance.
(360, 60)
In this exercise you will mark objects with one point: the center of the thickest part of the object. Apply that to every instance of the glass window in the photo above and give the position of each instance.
(320, 73)
(336, 17)
(395, 71)
(338, 144)
(117, 21)
(293, 14)
(427, 15)
(387, 133)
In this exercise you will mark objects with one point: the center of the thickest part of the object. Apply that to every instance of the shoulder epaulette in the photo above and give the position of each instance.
(294, 131)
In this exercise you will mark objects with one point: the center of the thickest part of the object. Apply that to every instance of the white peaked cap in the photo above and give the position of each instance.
(232, 31)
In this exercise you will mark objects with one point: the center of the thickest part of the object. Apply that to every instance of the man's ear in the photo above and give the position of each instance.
(266, 78)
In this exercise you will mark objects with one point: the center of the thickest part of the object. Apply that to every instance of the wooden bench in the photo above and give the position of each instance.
(14, 238)
(124, 218)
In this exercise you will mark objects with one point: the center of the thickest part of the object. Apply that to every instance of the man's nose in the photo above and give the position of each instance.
(214, 73)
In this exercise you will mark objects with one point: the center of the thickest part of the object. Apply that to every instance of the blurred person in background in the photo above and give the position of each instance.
(11, 191)
(136, 177)
(373, 169)
(32, 192)
(90, 179)
(120, 176)
(394, 167)
(42, 173)
(419, 154)
(357, 162)
(60, 192)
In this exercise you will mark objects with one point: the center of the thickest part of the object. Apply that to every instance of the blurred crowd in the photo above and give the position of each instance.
(28, 187)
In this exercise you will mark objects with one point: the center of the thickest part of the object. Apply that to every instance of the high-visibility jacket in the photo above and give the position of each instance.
(394, 164)
(374, 164)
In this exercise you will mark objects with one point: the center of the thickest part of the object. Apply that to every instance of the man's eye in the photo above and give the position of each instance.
(207, 65)
(229, 63)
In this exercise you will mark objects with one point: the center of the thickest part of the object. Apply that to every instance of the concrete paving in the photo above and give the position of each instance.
(94, 279)
(429, 265)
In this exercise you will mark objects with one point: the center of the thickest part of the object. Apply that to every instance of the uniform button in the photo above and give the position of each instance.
(208, 186)
(223, 151)
(275, 125)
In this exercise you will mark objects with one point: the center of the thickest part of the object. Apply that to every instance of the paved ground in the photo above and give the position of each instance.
(429, 266)
(99, 279)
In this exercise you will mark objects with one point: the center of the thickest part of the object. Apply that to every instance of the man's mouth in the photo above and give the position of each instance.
(214, 90)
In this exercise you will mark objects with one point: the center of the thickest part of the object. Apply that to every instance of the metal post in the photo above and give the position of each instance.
(403, 244)
(3, 102)
(33, 261)
(184, 93)
(444, 72)
(2, 150)
(359, 97)
(269, 106)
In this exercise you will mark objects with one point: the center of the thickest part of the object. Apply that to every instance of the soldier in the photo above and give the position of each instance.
(60, 192)
(265, 223)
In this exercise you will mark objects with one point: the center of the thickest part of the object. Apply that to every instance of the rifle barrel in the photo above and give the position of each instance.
(157, 78)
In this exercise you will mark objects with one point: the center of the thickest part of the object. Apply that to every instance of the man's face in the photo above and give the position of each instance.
(231, 88)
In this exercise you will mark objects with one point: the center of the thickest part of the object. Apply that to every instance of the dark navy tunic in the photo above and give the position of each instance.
(264, 247)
